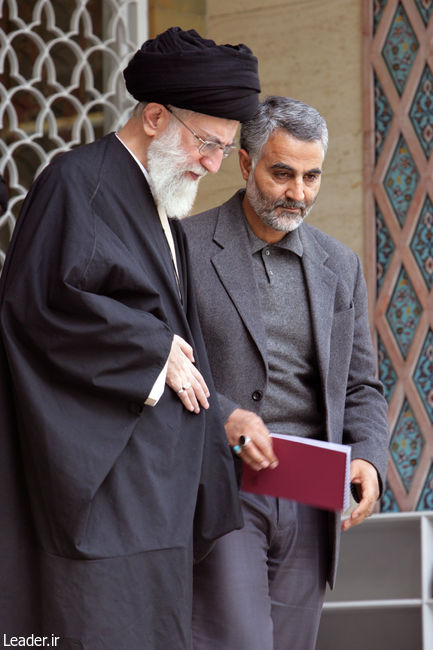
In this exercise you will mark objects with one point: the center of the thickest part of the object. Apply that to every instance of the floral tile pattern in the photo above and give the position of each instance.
(403, 312)
(423, 375)
(400, 48)
(421, 112)
(422, 243)
(378, 7)
(384, 248)
(406, 445)
(383, 116)
(426, 499)
(388, 502)
(387, 374)
(401, 84)
(401, 180)
(425, 8)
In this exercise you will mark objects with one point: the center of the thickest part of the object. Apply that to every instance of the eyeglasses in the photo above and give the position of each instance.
(206, 147)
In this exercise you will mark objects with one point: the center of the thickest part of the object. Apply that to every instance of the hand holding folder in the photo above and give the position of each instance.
(310, 471)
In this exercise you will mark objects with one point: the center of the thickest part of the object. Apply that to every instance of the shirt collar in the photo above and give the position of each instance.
(290, 242)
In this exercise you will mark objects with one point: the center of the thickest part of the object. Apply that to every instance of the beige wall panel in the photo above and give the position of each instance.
(223, 7)
(164, 18)
(195, 6)
(338, 209)
(188, 14)
(310, 50)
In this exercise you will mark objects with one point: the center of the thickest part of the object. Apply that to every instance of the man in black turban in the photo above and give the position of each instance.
(183, 69)
(116, 468)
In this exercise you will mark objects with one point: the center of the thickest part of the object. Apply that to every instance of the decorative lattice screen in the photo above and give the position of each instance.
(398, 109)
(61, 82)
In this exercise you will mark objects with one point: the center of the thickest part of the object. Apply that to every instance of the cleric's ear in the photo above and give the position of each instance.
(155, 118)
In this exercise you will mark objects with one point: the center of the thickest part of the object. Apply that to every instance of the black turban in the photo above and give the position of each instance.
(185, 70)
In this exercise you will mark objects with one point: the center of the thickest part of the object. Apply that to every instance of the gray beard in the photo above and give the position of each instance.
(167, 164)
(266, 211)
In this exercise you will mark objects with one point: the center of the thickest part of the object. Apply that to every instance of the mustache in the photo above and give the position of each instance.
(199, 173)
(290, 204)
(199, 170)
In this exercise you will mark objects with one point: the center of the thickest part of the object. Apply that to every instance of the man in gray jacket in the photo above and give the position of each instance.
(283, 308)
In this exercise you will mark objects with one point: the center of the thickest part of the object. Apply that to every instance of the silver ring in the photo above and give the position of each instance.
(181, 390)
(237, 449)
(244, 441)
(187, 385)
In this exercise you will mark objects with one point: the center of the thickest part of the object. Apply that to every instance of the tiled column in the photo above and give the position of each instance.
(398, 143)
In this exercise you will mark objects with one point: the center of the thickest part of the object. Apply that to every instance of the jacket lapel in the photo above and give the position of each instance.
(234, 267)
(321, 286)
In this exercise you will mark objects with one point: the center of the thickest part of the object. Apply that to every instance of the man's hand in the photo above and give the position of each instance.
(258, 452)
(364, 476)
(184, 378)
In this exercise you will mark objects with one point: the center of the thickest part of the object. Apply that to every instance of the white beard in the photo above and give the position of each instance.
(167, 165)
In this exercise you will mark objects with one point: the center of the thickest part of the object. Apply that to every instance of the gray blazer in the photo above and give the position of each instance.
(355, 411)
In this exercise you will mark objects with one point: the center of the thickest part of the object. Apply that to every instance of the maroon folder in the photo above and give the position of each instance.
(310, 471)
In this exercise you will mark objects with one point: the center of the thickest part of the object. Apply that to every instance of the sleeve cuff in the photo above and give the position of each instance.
(157, 388)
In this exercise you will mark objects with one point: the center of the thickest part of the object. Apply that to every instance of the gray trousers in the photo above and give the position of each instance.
(262, 587)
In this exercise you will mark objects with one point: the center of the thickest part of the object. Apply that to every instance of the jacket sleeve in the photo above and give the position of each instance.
(365, 416)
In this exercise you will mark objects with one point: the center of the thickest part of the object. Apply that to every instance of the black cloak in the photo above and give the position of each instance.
(99, 492)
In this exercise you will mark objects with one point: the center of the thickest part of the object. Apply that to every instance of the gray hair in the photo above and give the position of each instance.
(300, 120)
